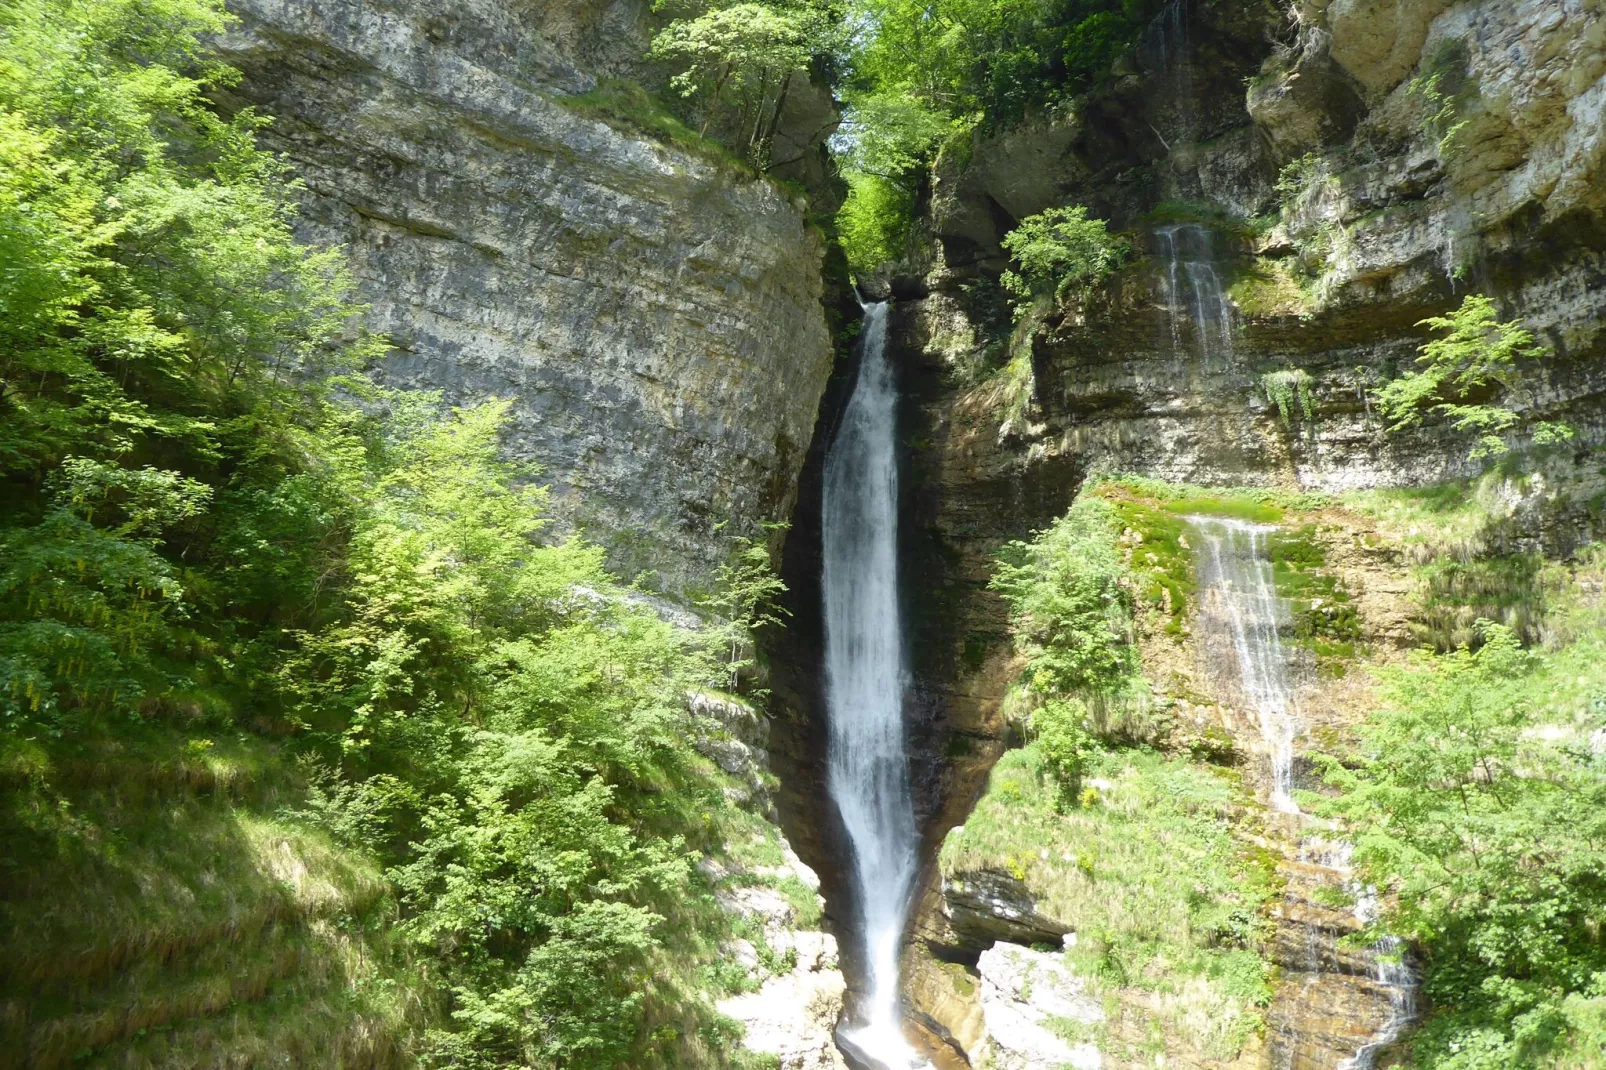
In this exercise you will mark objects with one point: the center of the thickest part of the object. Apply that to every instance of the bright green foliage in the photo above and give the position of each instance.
(745, 599)
(874, 222)
(1480, 804)
(1463, 377)
(1071, 603)
(1059, 730)
(1290, 391)
(736, 63)
(205, 540)
(997, 58)
(1165, 902)
(152, 300)
(887, 138)
(1058, 251)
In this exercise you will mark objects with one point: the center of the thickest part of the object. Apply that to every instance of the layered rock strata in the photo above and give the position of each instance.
(653, 316)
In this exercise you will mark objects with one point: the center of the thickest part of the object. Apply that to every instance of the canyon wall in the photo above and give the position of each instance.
(1300, 189)
(653, 314)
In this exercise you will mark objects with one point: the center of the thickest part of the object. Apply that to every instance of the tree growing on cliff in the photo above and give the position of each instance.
(1057, 252)
(737, 64)
(1468, 377)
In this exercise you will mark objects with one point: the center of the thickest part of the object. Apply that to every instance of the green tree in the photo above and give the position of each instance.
(1071, 603)
(1466, 377)
(745, 598)
(1057, 251)
(741, 59)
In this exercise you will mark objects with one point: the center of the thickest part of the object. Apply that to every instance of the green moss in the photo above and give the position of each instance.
(1109, 869)
(1267, 288)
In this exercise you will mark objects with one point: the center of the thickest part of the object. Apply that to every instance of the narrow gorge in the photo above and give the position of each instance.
(803, 534)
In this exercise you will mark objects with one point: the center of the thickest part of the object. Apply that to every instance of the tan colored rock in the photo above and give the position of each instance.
(653, 317)
(1380, 41)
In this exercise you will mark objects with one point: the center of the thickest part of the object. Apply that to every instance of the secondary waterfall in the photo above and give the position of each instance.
(1239, 602)
(865, 684)
(1193, 288)
(1237, 584)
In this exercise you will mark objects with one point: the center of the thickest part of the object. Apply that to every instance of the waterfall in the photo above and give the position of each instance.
(1236, 581)
(865, 685)
(1192, 283)
(1239, 598)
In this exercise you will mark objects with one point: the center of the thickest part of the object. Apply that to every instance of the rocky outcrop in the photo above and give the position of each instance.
(652, 315)
(792, 1014)
(1033, 1006)
(985, 907)
(1438, 149)
(791, 1009)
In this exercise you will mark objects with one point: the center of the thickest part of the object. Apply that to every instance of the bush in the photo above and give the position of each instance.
(1058, 251)
(1479, 805)
(1071, 604)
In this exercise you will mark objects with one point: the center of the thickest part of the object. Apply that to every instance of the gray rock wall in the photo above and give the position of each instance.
(653, 317)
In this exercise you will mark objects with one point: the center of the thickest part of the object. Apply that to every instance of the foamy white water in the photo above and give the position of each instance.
(865, 684)
(1235, 571)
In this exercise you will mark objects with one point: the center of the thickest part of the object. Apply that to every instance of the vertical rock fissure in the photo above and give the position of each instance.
(1239, 598)
(866, 681)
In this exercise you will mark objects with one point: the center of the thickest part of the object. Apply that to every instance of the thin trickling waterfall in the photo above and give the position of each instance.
(1236, 580)
(1193, 288)
(1239, 597)
(1167, 47)
(866, 681)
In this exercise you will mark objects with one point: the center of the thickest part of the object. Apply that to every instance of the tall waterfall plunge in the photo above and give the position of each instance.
(865, 685)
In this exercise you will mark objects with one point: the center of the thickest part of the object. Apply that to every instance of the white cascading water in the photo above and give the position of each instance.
(1193, 285)
(865, 686)
(1235, 573)
(1237, 580)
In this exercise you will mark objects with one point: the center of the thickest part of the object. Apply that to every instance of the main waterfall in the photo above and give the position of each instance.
(865, 685)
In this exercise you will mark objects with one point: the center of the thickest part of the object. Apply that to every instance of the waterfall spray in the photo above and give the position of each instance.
(1236, 574)
(865, 684)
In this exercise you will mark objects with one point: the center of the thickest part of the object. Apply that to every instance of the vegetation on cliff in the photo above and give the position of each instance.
(1472, 796)
(1479, 801)
(312, 744)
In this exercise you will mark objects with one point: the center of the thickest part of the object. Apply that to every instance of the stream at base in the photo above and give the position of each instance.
(1340, 1007)
(866, 680)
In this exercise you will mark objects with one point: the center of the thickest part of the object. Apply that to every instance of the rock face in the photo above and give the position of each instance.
(1030, 1001)
(653, 317)
(792, 1010)
(1440, 149)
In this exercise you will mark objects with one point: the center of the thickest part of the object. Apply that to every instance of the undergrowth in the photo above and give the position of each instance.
(1189, 956)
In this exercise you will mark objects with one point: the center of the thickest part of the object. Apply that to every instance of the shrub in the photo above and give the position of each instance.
(1059, 251)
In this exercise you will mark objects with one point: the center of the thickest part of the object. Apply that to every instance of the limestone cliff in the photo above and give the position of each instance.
(653, 315)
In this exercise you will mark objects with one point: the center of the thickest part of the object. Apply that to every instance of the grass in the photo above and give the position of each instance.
(1166, 903)
(1451, 520)
(630, 109)
(156, 911)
